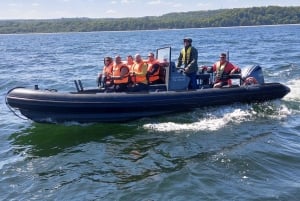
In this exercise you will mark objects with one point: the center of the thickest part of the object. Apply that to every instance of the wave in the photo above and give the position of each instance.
(216, 118)
(294, 95)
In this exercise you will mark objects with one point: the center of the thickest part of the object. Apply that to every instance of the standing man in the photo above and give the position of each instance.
(189, 59)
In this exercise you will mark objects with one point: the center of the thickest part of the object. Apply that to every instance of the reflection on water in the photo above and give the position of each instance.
(49, 139)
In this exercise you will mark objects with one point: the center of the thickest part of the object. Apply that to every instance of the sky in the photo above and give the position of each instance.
(54, 9)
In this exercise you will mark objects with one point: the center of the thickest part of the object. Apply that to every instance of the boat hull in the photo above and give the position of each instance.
(84, 107)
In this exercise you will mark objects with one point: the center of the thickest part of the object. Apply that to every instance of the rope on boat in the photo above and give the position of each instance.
(10, 108)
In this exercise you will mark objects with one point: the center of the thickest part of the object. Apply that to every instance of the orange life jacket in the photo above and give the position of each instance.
(155, 75)
(130, 65)
(107, 70)
(140, 71)
(117, 72)
(107, 73)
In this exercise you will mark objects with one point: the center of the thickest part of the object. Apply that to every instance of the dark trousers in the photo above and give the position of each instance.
(121, 87)
(138, 87)
(193, 80)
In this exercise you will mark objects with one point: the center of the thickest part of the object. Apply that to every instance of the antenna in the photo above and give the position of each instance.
(227, 55)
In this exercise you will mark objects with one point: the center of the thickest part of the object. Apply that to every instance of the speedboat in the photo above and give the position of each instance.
(96, 105)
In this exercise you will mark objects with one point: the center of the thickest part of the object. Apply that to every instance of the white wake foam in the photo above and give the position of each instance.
(219, 117)
(294, 95)
(212, 120)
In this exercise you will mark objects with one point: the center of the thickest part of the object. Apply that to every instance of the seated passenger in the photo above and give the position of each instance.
(153, 70)
(120, 75)
(223, 69)
(104, 78)
(130, 61)
(138, 74)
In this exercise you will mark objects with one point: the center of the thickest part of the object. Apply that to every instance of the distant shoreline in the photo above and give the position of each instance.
(37, 33)
(223, 18)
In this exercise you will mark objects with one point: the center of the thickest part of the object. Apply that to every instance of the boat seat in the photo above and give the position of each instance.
(204, 77)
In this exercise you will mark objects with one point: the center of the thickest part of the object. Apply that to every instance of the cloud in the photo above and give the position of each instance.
(14, 5)
(155, 2)
(127, 1)
(177, 5)
(204, 6)
(35, 4)
(164, 3)
(111, 12)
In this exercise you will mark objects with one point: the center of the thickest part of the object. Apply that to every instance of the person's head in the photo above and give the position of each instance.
(118, 59)
(187, 41)
(129, 59)
(151, 56)
(107, 60)
(222, 57)
(137, 58)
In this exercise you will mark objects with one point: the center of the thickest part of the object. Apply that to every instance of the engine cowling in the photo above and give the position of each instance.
(252, 75)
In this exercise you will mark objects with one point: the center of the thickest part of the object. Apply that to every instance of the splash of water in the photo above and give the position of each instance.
(294, 95)
(217, 118)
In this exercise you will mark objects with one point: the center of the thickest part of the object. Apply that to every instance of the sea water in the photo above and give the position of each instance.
(233, 152)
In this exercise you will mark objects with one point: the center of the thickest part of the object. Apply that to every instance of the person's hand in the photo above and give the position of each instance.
(232, 72)
(203, 68)
(180, 70)
(186, 69)
(165, 64)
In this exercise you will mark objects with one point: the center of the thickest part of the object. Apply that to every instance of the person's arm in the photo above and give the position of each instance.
(233, 68)
(194, 56)
(214, 67)
(124, 71)
(154, 69)
(179, 62)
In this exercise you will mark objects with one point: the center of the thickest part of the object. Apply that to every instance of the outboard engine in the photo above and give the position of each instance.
(252, 75)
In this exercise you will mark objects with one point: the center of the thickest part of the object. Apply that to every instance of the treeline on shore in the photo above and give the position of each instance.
(271, 15)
